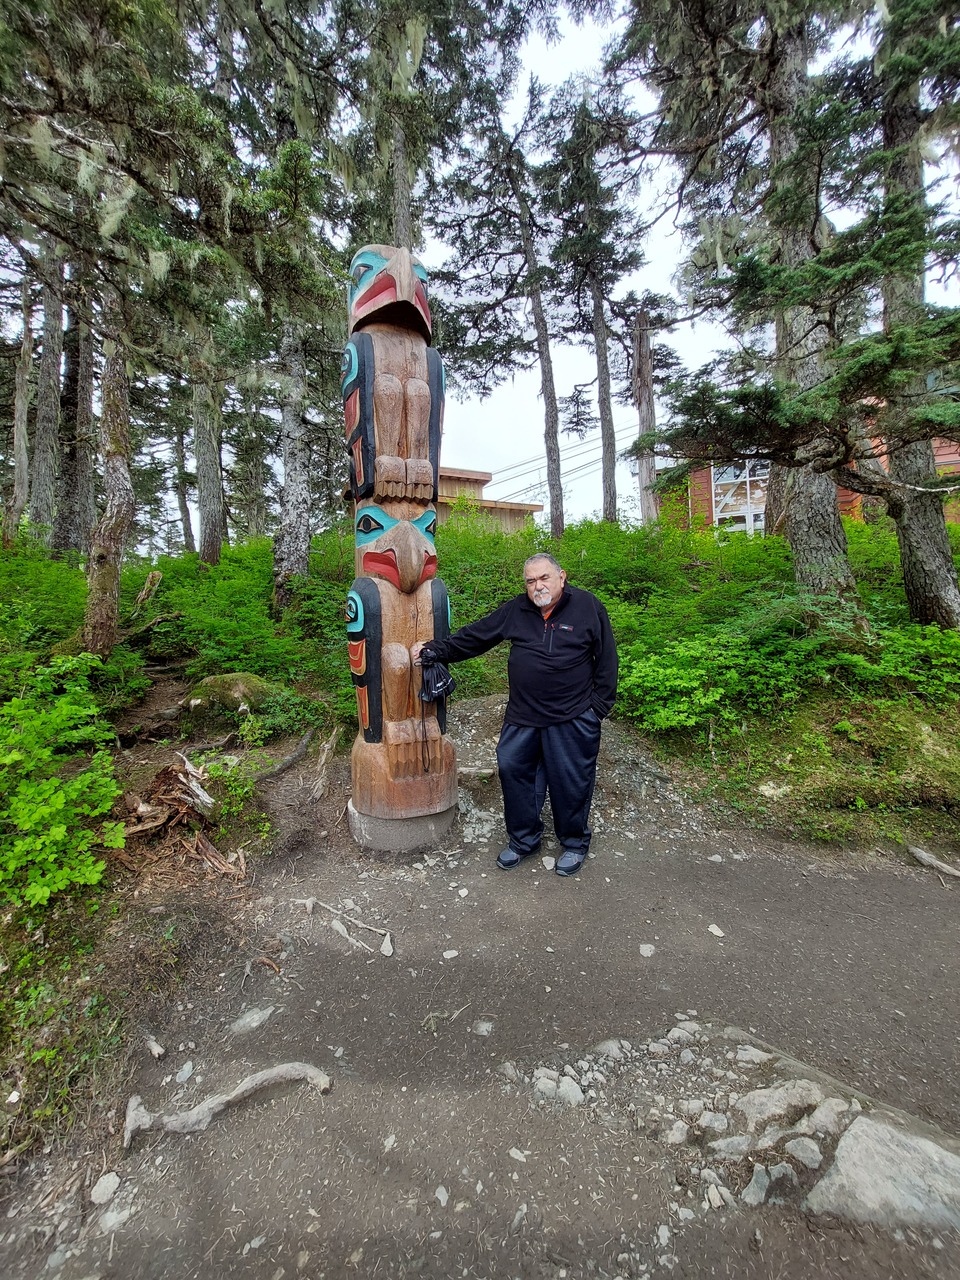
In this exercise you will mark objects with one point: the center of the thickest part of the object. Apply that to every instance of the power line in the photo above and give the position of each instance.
(502, 476)
(593, 455)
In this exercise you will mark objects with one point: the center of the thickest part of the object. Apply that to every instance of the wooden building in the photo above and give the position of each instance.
(454, 484)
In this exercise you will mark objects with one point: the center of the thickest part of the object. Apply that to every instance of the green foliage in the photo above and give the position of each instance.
(41, 600)
(284, 713)
(56, 780)
(223, 618)
(56, 1025)
(481, 563)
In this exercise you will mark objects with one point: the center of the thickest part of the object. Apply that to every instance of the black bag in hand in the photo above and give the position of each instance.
(437, 682)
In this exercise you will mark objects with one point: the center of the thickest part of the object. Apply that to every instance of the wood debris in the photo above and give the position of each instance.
(175, 805)
(198, 1118)
(320, 785)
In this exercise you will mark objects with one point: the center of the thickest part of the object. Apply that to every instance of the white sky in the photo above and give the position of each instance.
(504, 433)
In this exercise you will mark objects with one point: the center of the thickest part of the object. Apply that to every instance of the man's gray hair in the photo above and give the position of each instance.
(542, 555)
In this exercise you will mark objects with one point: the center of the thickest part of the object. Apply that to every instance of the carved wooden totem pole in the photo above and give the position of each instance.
(404, 767)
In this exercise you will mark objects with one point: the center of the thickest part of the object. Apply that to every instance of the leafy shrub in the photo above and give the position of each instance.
(42, 599)
(224, 621)
(288, 712)
(52, 788)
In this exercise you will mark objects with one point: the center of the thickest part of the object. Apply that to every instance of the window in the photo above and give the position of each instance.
(740, 495)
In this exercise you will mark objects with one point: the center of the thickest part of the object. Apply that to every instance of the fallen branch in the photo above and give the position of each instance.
(288, 761)
(353, 920)
(928, 860)
(198, 1118)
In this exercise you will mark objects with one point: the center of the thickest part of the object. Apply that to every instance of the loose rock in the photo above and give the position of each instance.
(806, 1151)
(569, 1092)
(676, 1134)
(783, 1101)
(250, 1020)
(105, 1188)
(756, 1190)
(890, 1178)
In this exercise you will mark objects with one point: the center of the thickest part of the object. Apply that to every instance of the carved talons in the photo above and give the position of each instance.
(405, 479)
(390, 477)
(408, 755)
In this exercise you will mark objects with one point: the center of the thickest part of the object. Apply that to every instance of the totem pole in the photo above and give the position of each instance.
(404, 767)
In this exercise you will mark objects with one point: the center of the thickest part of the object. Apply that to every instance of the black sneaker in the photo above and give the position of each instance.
(509, 858)
(570, 862)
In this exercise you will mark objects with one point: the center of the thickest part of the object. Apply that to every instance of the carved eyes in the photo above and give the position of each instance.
(367, 524)
(431, 529)
(422, 277)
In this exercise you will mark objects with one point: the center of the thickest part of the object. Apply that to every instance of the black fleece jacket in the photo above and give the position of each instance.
(559, 667)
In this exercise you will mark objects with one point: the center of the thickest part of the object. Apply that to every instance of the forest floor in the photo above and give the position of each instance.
(433, 1155)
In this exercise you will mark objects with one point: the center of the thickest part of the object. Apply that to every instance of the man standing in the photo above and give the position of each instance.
(562, 675)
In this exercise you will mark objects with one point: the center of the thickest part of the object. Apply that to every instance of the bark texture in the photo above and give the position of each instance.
(21, 407)
(812, 514)
(646, 416)
(46, 435)
(206, 448)
(76, 511)
(180, 486)
(608, 437)
(291, 546)
(929, 572)
(548, 387)
(110, 536)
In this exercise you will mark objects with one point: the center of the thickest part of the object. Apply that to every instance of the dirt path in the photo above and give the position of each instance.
(429, 1157)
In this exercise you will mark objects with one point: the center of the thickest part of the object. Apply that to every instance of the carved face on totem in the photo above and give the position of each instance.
(388, 285)
(398, 545)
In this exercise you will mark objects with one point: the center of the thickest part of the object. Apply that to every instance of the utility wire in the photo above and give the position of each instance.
(502, 476)
(592, 455)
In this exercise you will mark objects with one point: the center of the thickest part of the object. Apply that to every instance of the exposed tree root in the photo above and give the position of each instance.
(928, 860)
(288, 761)
(140, 1120)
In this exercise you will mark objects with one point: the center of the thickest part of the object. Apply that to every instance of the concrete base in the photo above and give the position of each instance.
(399, 835)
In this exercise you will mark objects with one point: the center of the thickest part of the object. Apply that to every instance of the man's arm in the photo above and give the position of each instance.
(605, 667)
(469, 641)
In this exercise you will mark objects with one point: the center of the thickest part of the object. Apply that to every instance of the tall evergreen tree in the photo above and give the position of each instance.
(733, 81)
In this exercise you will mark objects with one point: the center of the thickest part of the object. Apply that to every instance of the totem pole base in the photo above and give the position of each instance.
(400, 835)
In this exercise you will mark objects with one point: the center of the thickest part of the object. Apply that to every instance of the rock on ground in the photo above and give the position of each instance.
(892, 1179)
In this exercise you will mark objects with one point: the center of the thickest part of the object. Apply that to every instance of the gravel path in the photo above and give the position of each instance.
(442, 1149)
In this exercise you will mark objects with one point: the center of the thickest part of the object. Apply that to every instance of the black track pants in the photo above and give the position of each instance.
(561, 757)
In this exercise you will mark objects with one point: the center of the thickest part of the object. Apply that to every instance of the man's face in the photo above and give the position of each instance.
(544, 583)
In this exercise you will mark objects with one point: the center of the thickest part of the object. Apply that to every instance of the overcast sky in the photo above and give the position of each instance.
(504, 433)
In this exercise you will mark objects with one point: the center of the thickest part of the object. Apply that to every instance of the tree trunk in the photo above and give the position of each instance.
(774, 511)
(76, 503)
(929, 572)
(646, 416)
(402, 190)
(180, 487)
(252, 474)
(21, 406)
(206, 449)
(812, 515)
(551, 411)
(608, 435)
(291, 546)
(110, 535)
(46, 435)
